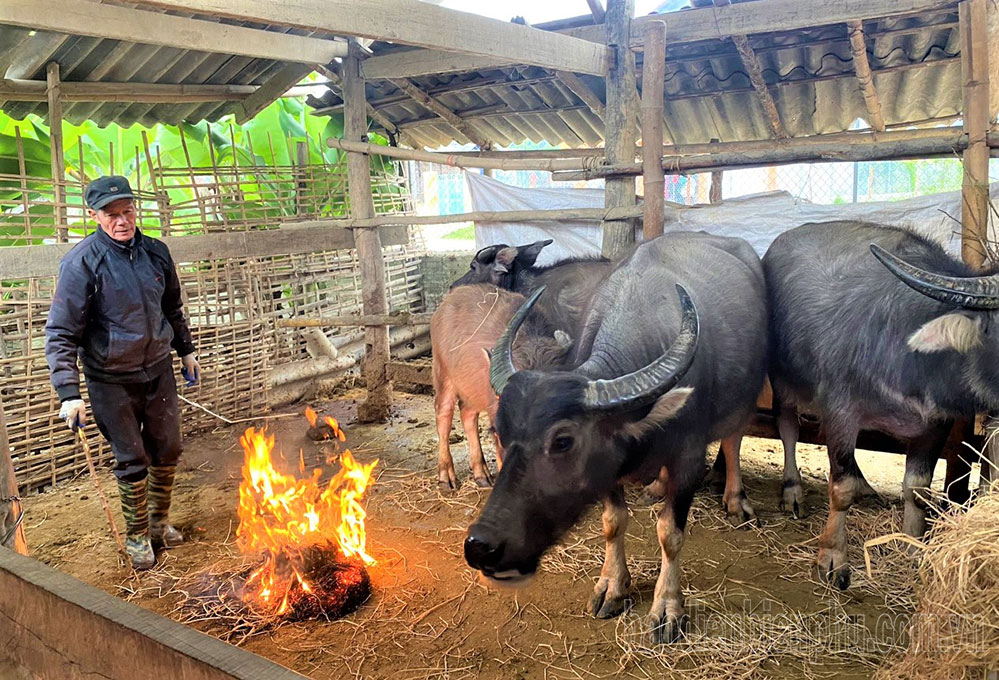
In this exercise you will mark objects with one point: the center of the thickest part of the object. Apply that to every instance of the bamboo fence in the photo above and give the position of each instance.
(232, 304)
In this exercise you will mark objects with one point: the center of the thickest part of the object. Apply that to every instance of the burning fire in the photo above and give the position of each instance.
(285, 517)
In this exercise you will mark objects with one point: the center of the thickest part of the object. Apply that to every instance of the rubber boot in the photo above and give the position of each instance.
(160, 489)
(133, 507)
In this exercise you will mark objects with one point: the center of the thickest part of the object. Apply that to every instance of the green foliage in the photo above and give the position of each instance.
(466, 233)
(270, 139)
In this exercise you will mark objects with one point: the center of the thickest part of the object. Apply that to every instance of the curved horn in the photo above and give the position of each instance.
(647, 384)
(970, 292)
(501, 358)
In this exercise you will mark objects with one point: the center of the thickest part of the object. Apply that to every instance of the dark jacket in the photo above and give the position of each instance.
(118, 307)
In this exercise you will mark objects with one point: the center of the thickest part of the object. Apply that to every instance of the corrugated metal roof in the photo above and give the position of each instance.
(915, 60)
(25, 53)
(708, 93)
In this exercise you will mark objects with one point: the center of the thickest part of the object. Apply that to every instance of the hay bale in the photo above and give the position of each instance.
(955, 629)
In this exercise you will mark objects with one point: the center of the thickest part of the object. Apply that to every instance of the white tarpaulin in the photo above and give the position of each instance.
(758, 219)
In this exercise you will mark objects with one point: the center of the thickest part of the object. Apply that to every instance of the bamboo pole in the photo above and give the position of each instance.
(654, 180)
(56, 150)
(942, 143)
(11, 512)
(972, 17)
(369, 248)
(862, 67)
(619, 123)
(456, 161)
(23, 177)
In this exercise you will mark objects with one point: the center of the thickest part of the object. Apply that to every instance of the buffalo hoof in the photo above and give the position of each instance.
(446, 488)
(667, 629)
(793, 499)
(738, 510)
(483, 482)
(606, 605)
(834, 571)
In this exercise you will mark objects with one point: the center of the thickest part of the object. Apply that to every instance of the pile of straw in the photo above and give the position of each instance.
(955, 631)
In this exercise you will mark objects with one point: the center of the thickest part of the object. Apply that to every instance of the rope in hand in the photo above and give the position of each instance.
(238, 420)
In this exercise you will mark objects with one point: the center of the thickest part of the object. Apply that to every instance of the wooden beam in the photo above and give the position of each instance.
(597, 10)
(620, 133)
(56, 150)
(435, 106)
(97, 20)
(417, 23)
(653, 82)
(691, 25)
(755, 72)
(715, 195)
(369, 250)
(35, 91)
(862, 67)
(444, 158)
(942, 145)
(975, 186)
(52, 623)
(276, 85)
(11, 510)
(583, 91)
(22, 262)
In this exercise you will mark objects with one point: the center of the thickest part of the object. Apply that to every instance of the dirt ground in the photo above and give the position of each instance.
(757, 609)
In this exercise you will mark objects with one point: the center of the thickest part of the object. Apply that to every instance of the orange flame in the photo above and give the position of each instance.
(281, 516)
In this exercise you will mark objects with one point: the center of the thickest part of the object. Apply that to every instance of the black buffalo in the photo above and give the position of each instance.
(569, 286)
(653, 383)
(876, 328)
(569, 283)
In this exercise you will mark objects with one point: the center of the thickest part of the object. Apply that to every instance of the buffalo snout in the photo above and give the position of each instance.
(483, 553)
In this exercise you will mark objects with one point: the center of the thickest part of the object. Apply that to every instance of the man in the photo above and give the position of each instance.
(118, 307)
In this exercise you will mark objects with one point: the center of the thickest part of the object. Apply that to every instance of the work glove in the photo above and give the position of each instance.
(74, 413)
(190, 369)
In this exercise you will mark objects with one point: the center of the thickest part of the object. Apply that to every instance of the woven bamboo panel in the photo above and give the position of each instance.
(231, 304)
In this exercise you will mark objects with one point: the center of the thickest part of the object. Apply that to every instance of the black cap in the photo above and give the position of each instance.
(104, 190)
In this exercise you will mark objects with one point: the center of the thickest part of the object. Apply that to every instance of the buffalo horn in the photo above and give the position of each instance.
(647, 384)
(501, 358)
(970, 292)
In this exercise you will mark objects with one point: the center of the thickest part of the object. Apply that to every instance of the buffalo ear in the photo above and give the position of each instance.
(527, 255)
(666, 408)
(488, 254)
(504, 260)
(954, 331)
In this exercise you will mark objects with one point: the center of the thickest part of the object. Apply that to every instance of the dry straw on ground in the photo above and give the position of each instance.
(955, 632)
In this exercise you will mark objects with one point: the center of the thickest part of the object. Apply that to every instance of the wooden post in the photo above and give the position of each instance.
(654, 179)
(619, 123)
(56, 150)
(10, 502)
(715, 192)
(973, 20)
(369, 249)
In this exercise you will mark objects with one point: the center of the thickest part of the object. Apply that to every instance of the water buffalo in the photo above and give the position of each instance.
(569, 285)
(469, 320)
(876, 328)
(652, 383)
